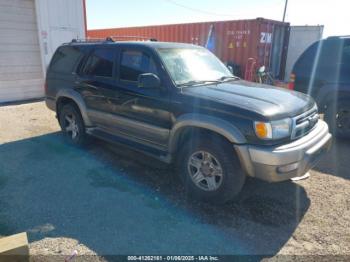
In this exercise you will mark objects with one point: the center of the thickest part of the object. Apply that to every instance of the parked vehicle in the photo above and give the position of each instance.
(323, 71)
(180, 104)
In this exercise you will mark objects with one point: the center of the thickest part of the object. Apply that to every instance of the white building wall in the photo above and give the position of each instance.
(58, 22)
(301, 37)
(30, 32)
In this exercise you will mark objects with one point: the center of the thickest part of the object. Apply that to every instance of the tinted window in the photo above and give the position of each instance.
(346, 54)
(316, 58)
(65, 59)
(134, 63)
(100, 63)
(331, 53)
(325, 54)
(308, 57)
(329, 59)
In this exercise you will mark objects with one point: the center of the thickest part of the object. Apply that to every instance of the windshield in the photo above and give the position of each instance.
(187, 65)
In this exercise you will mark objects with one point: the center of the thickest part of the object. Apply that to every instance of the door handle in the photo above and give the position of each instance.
(83, 83)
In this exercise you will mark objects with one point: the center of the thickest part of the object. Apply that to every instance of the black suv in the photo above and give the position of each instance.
(181, 104)
(323, 71)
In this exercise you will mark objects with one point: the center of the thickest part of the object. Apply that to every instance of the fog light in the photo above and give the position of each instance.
(287, 168)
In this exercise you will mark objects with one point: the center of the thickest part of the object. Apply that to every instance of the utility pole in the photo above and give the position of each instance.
(285, 10)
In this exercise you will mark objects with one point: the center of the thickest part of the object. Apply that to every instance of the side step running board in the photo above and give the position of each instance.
(147, 150)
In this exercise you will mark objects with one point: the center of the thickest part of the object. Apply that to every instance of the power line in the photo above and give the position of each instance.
(197, 10)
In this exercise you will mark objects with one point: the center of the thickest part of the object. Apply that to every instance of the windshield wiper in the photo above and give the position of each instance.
(226, 78)
(199, 82)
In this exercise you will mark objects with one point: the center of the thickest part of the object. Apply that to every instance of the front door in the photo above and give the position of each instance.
(140, 113)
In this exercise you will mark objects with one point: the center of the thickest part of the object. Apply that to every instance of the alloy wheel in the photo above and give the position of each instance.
(71, 126)
(205, 171)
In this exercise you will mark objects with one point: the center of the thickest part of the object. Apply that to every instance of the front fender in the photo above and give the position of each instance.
(217, 125)
(78, 99)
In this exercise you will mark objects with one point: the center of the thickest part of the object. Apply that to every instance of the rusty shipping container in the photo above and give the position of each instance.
(239, 42)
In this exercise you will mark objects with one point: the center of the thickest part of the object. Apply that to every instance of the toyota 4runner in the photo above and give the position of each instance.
(181, 104)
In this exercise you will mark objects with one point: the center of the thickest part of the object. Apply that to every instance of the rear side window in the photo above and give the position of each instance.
(346, 54)
(134, 63)
(65, 59)
(307, 59)
(316, 60)
(100, 63)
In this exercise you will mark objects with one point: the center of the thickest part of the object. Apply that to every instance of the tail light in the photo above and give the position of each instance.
(291, 84)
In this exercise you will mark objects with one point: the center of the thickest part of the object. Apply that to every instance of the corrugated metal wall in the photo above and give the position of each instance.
(235, 41)
(31, 30)
(20, 63)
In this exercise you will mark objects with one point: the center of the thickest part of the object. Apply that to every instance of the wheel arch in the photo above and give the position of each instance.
(65, 96)
(204, 123)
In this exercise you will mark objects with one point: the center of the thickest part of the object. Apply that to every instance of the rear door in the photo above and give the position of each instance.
(96, 82)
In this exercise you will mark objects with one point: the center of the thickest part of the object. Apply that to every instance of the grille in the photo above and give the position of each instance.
(304, 123)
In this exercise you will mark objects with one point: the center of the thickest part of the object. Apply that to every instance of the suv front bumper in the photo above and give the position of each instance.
(283, 162)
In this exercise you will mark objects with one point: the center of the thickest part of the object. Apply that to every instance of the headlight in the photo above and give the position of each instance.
(274, 129)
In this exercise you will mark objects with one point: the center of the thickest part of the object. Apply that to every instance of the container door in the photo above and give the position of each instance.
(277, 50)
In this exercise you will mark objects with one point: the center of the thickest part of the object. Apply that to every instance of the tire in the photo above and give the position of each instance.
(338, 119)
(72, 125)
(221, 157)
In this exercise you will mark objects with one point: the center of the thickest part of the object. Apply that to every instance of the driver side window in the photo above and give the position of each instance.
(134, 63)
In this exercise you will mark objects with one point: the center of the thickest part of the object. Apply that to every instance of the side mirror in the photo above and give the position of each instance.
(230, 68)
(148, 80)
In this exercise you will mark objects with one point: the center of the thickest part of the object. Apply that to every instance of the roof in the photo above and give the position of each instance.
(339, 37)
(152, 44)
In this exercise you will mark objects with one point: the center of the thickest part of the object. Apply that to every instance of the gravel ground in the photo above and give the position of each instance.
(109, 200)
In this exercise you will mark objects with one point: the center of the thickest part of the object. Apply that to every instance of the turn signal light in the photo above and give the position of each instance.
(263, 130)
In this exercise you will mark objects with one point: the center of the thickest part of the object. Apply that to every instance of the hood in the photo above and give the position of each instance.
(268, 101)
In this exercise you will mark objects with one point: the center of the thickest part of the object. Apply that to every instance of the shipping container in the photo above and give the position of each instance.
(246, 43)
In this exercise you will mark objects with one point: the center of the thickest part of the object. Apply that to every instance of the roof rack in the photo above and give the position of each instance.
(338, 36)
(113, 39)
(92, 40)
(135, 38)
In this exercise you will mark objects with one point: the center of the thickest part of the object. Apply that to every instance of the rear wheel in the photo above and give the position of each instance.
(338, 119)
(210, 170)
(72, 124)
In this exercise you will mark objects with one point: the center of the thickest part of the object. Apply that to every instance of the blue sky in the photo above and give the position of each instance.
(124, 13)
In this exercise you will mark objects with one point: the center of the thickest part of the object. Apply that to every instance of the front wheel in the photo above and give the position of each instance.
(338, 119)
(210, 169)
